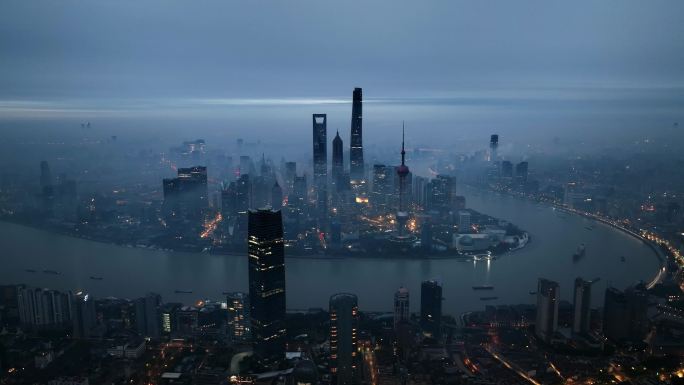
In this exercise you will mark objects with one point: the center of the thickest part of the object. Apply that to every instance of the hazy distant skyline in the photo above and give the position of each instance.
(497, 63)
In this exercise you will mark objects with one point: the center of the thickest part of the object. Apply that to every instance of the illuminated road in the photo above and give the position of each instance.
(512, 366)
(210, 226)
(371, 369)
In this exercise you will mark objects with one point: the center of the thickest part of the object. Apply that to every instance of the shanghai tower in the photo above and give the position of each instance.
(356, 142)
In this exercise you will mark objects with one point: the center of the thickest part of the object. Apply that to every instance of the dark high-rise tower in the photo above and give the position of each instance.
(401, 307)
(493, 146)
(337, 161)
(521, 172)
(356, 143)
(147, 316)
(625, 314)
(343, 329)
(431, 308)
(243, 193)
(582, 306)
(320, 165)
(267, 283)
(320, 149)
(290, 174)
(547, 309)
(298, 197)
(46, 187)
(45, 176)
(276, 197)
(82, 315)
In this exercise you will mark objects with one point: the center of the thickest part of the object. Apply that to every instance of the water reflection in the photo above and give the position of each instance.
(130, 272)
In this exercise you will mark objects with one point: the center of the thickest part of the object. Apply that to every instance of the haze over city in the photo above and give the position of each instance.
(341, 193)
(530, 69)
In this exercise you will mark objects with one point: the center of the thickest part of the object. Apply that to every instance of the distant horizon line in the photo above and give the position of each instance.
(45, 107)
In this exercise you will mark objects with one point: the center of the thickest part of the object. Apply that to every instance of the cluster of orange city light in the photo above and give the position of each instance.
(211, 225)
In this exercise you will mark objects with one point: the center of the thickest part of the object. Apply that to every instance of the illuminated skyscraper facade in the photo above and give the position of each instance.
(238, 316)
(344, 318)
(320, 149)
(267, 283)
(320, 165)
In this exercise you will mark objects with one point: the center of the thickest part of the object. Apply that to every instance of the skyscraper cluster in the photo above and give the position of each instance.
(43, 308)
(504, 172)
(624, 312)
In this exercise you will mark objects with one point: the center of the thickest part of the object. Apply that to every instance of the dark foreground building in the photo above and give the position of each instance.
(343, 328)
(431, 308)
(625, 316)
(267, 283)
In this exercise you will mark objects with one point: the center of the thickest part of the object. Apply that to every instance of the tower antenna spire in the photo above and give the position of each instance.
(403, 153)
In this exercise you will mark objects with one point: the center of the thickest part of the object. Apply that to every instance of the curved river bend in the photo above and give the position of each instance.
(131, 272)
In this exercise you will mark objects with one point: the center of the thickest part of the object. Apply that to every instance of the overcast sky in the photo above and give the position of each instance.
(240, 48)
(84, 55)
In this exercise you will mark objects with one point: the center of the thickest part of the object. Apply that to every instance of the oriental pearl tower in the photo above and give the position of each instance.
(402, 173)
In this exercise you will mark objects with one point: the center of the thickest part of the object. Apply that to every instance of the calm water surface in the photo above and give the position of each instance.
(130, 272)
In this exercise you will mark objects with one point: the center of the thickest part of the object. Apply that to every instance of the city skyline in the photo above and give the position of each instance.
(352, 193)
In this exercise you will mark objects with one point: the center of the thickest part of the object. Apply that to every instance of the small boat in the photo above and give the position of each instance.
(94, 278)
(579, 253)
(588, 228)
(488, 298)
(29, 270)
(183, 291)
(533, 293)
(483, 287)
(53, 272)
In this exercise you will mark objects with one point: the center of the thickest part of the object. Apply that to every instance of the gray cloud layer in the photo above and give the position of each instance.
(254, 49)
(530, 69)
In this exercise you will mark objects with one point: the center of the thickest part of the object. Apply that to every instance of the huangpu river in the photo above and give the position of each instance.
(131, 272)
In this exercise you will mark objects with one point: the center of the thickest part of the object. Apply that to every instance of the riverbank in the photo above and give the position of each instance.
(129, 272)
(416, 254)
(662, 259)
(662, 272)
